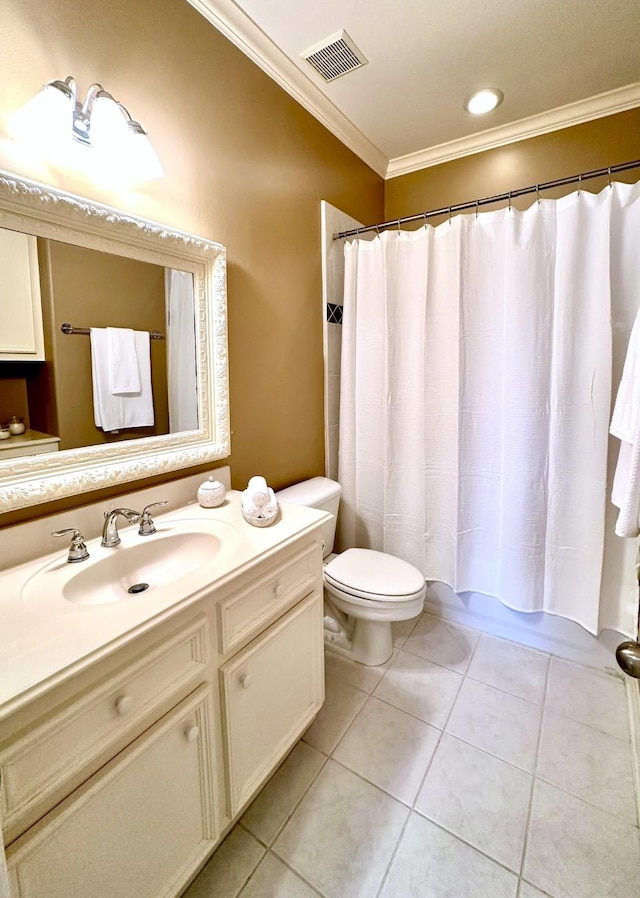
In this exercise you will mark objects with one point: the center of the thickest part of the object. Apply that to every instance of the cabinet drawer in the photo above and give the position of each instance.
(61, 750)
(141, 826)
(271, 691)
(262, 598)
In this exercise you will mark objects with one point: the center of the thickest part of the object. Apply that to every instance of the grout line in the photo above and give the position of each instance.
(313, 888)
(394, 852)
(534, 773)
(469, 845)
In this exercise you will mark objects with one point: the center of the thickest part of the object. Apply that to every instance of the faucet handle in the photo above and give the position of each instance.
(77, 550)
(147, 527)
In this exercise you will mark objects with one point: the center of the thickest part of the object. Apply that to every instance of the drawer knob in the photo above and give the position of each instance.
(245, 681)
(124, 704)
(278, 589)
(192, 733)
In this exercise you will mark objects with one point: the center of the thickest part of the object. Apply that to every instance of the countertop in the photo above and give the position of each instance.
(45, 640)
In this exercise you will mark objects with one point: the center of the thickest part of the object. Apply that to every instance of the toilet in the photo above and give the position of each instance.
(364, 591)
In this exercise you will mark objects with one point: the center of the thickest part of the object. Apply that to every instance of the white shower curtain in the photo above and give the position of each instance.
(181, 350)
(477, 367)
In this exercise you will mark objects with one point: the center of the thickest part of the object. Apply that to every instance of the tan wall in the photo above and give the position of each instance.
(246, 166)
(593, 145)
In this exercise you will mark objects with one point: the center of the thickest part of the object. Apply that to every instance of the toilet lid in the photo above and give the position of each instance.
(365, 571)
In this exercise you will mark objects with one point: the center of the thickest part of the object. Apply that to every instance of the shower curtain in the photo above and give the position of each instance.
(181, 350)
(478, 362)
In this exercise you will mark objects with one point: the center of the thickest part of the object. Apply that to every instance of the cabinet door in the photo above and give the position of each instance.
(141, 826)
(21, 336)
(271, 691)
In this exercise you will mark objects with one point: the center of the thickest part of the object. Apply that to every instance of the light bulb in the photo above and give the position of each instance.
(483, 101)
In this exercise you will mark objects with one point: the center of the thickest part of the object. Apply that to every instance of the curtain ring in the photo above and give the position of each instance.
(609, 181)
(424, 215)
(399, 231)
(509, 201)
(538, 194)
(449, 215)
(579, 183)
(477, 205)
(378, 230)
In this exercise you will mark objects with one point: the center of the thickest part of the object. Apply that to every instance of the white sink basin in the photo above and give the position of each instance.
(137, 567)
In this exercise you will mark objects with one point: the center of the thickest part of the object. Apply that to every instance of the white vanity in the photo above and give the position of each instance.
(133, 733)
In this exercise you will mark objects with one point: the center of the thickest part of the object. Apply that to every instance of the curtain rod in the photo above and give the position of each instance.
(70, 329)
(499, 197)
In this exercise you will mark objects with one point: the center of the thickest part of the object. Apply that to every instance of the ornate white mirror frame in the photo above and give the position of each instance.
(46, 212)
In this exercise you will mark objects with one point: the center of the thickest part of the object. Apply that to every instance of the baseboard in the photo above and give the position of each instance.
(633, 700)
(542, 631)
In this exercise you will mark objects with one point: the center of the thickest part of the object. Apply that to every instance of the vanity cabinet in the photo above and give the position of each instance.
(138, 827)
(21, 331)
(271, 691)
(123, 780)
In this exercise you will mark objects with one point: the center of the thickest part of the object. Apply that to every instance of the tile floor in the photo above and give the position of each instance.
(467, 767)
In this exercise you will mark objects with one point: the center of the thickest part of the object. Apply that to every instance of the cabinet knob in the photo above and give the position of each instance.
(192, 733)
(245, 681)
(124, 704)
(278, 589)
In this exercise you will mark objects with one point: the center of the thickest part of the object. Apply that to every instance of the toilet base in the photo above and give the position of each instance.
(368, 642)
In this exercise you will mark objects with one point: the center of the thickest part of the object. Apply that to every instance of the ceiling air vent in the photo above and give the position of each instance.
(335, 56)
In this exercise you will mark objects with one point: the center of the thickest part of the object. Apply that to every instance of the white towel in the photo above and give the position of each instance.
(258, 490)
(122, 411)
(625, 425)
(249, 507)
(123, 371)
(271, 507)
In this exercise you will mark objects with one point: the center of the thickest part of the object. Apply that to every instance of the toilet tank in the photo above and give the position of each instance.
(318, 492)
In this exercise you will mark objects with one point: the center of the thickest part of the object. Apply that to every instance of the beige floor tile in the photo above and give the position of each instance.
(479, 798)
(342, 835)
(529, 891)
(401, 629)
(588, 696)
(342, 703)
(273, 806)
(420, 688)
(229, 868)
(498, 723)
(578, 851)
(358, 675)
(389, 748)
(589, 764)
(442, 642)
(510, 667)
(431, 863)
(273, 879)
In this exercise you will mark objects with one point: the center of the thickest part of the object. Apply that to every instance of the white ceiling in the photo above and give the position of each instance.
(558, 62)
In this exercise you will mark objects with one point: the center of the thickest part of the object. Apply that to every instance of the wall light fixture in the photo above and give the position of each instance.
(120, 144)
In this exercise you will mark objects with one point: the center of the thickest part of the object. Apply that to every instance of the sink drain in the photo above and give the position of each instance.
(138, 587)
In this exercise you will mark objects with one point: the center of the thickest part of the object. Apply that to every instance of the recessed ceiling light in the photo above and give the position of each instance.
(482, 101)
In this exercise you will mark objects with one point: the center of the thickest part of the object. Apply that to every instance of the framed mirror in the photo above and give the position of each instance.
(73, 270)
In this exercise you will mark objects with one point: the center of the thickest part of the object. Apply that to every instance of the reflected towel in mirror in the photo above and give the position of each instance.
(120, 412)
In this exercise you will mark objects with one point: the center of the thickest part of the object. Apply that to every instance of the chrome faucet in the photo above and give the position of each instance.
(110, 536)
(147, 527)
(77, 550)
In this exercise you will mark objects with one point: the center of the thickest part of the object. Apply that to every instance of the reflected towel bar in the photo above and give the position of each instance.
(70, 329)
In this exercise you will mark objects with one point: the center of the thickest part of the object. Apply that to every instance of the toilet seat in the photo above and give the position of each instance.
(374, 576)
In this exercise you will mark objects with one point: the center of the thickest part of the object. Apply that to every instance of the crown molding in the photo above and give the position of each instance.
(242, 31)
(608, 103)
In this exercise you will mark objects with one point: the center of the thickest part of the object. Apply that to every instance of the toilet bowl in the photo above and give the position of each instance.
(365, 591)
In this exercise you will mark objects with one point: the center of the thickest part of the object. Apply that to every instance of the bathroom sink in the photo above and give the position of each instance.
(137, 567)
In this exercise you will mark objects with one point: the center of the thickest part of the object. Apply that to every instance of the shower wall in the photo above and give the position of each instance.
(333, 220)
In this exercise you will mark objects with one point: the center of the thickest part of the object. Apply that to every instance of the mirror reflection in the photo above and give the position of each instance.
(125, 369)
